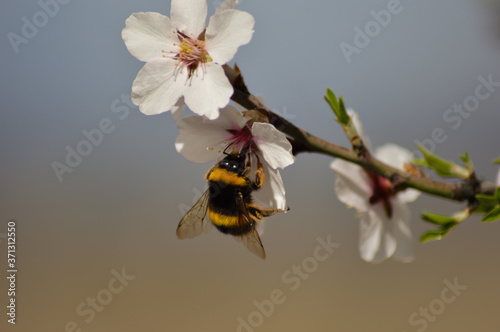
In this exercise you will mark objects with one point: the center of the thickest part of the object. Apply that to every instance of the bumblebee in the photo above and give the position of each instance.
(228, 201)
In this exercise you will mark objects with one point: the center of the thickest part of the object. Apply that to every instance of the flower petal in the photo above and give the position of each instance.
(158, 86)
(498, 178)
(357, 122)
(227, 30)
(352, 185)
(409, 195)
(208, 90)
(272, 193)
(273, 144)
(189, 16)
(230, 118)
(201, 140)
(228, 4)
(394, 155)
(405, 250)
(198, 142)
(146, 35)
(376, 242)
(178, 109)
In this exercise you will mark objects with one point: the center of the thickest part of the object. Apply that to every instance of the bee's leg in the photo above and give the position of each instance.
(260, 177)
(248, 168)
(247, 171)
(260, 213)
(270, 212)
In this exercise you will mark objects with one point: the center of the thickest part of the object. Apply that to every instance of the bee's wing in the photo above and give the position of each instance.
(195, 222)
(251, 240)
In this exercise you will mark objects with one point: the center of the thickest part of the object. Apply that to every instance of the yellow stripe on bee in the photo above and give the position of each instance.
(222, 175)
(223, 220)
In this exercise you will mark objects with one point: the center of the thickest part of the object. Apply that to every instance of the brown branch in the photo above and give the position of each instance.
(304, 141)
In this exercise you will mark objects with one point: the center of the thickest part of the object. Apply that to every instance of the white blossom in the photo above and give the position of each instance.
(384, 217)
(184, 56)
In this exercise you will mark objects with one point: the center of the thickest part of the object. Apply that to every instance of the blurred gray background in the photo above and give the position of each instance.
(119, 207)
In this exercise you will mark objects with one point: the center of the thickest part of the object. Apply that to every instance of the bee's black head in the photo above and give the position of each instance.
(234, 163)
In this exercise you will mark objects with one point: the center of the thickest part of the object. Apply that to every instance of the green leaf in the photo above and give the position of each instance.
(331, 99)
(487, 199)
(465, 158)
(337, 107)
(447, 223)
(436, 234)
(330, 104)
(443, 167)
(467, 162)
(343, 117)
(497, 193)
(437, 219)
(483, 209)
(421, 163)
(433, 235)
(493, 215)
(330, 95)
(497, 161)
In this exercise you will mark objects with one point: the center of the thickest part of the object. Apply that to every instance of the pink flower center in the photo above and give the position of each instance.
(241, 137)
(382, 192)
(192, 53)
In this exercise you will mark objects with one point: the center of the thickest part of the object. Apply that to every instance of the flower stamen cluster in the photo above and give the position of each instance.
(191, 55)
(382, 192)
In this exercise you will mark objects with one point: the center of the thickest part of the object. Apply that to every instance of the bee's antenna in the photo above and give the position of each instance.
(227, 147)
